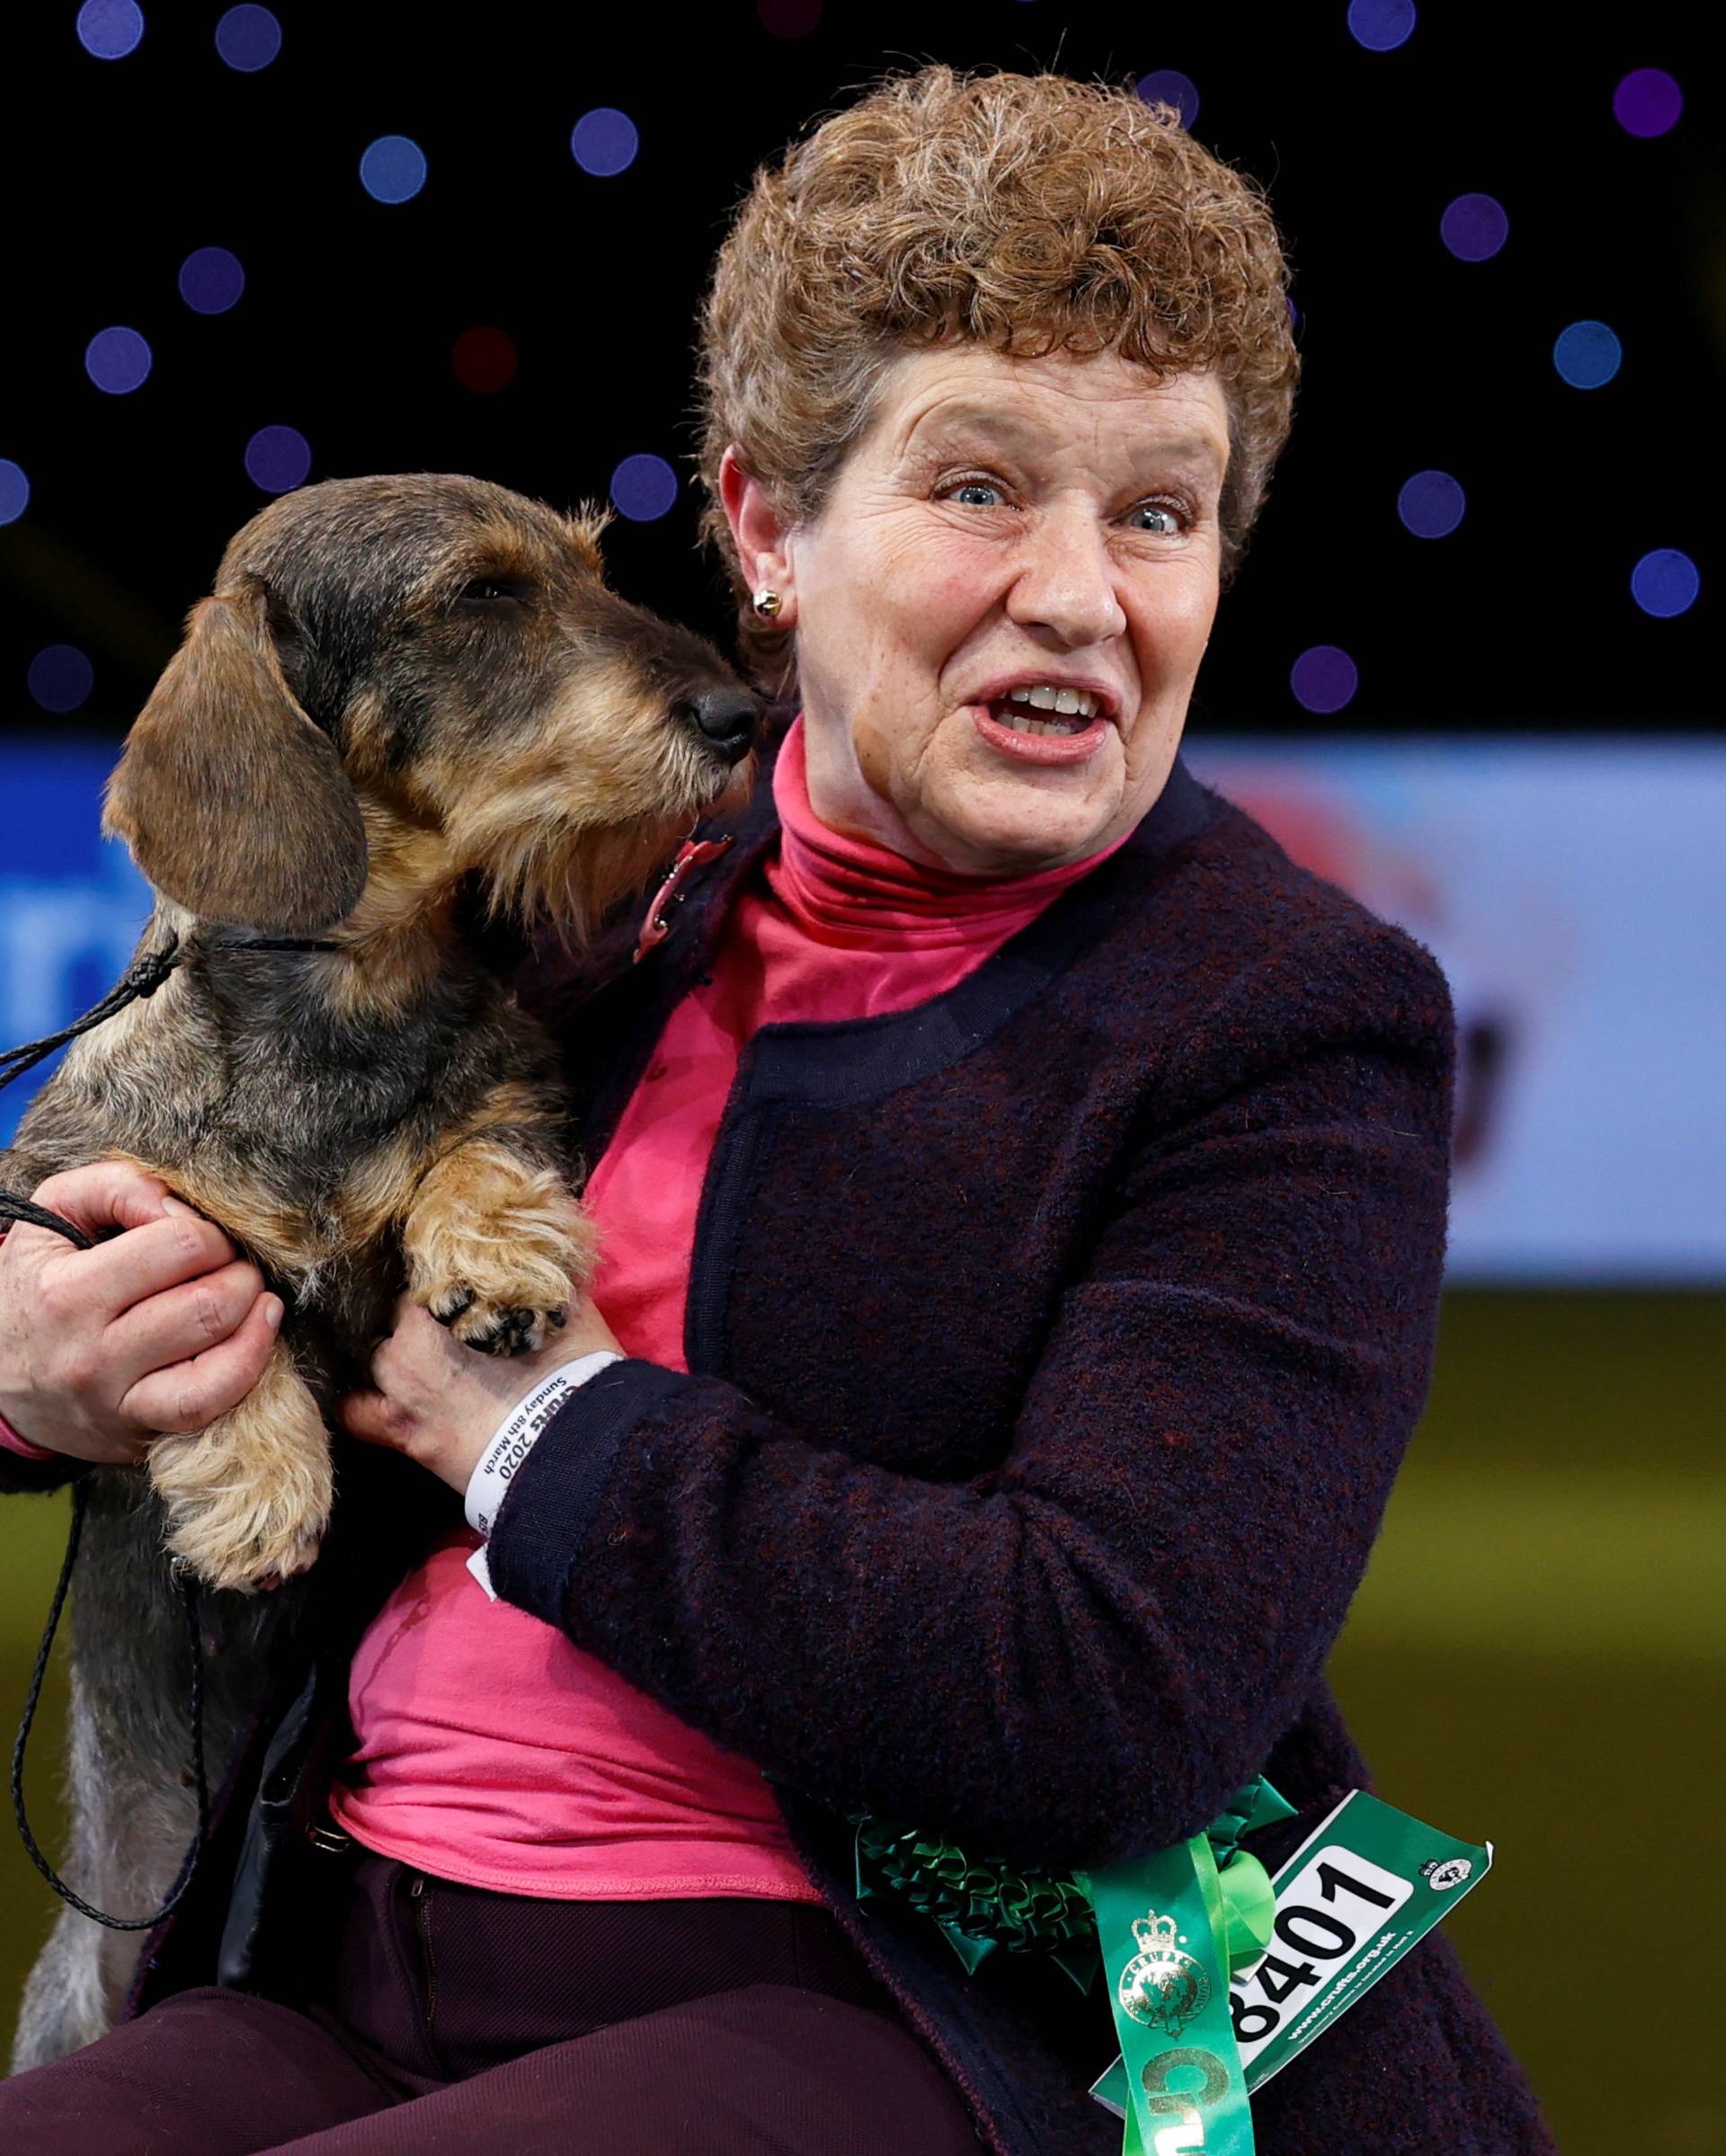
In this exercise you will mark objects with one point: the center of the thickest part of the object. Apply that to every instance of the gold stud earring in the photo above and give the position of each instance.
(767, 602)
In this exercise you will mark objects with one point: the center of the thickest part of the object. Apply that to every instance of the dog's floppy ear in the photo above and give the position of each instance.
(232, 803)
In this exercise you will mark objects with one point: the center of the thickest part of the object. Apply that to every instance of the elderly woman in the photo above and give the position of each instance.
(1024, 1200)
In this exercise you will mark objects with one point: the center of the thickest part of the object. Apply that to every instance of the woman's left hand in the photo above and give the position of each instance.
(442, 1402)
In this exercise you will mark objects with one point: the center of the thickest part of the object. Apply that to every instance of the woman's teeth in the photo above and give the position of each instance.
(1078, 702)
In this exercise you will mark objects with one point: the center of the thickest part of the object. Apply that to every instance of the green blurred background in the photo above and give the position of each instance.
(1535, 1660)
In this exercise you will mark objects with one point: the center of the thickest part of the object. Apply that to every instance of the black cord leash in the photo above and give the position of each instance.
(187, 1587)
(142, 978)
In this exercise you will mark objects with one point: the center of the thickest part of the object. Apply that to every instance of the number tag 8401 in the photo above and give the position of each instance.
(1331, 1910)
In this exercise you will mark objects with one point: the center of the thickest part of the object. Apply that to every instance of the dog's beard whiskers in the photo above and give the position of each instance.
(570, 878)
(538, 865)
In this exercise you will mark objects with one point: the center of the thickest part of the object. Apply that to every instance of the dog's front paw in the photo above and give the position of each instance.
(511, 1328)
(496, 1250)
(248, 1498)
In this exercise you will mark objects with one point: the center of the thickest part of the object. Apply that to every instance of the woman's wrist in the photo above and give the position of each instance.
(516, 1436)
(14, 1440)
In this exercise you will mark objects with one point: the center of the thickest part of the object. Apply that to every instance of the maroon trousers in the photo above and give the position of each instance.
(458, 2020)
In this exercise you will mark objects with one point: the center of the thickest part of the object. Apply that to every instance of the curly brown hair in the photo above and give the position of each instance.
(1030, 213)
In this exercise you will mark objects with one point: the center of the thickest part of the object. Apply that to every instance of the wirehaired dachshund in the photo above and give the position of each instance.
(411, 711)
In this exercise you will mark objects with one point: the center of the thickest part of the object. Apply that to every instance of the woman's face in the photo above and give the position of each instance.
(1005, 524)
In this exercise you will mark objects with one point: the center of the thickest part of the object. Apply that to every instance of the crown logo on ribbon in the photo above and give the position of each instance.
(1155, 1932)
(1162, 1986)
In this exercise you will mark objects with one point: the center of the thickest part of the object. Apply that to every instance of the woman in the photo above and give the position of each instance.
(1025, 1197)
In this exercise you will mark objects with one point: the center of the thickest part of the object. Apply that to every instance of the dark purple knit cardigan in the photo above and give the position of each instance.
(1053, 1345)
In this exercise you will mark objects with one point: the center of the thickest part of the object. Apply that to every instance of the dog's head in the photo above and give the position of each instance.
(402, 681)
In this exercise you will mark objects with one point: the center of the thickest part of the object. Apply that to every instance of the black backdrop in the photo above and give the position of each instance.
(112, 171)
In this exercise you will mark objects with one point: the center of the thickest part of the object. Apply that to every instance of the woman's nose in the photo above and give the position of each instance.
(1066, 581)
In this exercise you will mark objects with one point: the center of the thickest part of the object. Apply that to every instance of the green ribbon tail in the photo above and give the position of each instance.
(1171, 1928)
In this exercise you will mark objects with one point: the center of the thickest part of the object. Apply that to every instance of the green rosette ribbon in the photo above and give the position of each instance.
(1168, 1929)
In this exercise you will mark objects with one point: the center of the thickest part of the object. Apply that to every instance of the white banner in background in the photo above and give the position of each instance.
(1574, 891)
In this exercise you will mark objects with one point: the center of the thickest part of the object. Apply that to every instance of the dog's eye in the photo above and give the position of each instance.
(493, 594)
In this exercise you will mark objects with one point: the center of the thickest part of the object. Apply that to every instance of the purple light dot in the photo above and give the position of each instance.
(1294, 312)
(278, 459)
(248, 39)
(1474, 227)
(109, 28)
(117, 360)
(210, 280)
(1380, 25)
(1648, 102)
(61, 678)
(1169, 86)
(1431, 504)
(604, 141)
(644, 487)
(1324, 679)
(392, 169)
(14, 491)
(1665, 583)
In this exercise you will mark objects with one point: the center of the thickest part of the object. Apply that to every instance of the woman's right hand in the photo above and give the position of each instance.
(160, 1328)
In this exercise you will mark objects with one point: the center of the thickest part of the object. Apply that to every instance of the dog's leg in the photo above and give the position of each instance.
(248, 1497)
(496, 1247)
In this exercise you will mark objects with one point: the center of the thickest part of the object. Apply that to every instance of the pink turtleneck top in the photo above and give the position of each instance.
(491, 1750)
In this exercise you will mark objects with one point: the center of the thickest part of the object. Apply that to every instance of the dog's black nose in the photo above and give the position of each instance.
(727, 717)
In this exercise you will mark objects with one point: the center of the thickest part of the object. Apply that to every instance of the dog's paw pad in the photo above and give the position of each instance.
(506, 1330)
(453, 1304)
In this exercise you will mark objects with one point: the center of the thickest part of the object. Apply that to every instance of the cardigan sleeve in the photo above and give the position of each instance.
(1082, 1652)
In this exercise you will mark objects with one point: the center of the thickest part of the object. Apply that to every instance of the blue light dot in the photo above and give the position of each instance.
(644, 487)
(1431, 504)
(1324, 679)
(61, 678)
(14, 491)
(210, 280)
(1380, 25)
(278, 459)
(1169, 86)
(117, 360)
(1588, 354)
(1474, 227)
(109, 28)
(392, 169)
(604, 141)
(1665, 583)
(248, 39)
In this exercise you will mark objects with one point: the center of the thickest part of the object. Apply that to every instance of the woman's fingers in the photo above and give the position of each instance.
(180, 1322)
(191, 1393)
(178, 1246)
(102, 1195)
(160, 1327)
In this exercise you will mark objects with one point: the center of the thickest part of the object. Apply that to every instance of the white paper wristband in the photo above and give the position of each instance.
(516, 1434)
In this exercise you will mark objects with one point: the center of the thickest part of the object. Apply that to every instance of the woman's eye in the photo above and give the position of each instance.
(1170, 516)
(978, 486)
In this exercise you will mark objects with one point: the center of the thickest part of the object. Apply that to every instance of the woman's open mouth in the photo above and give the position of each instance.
(1032, 724)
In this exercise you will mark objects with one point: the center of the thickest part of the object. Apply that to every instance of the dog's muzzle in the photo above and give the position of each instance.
(726, 718)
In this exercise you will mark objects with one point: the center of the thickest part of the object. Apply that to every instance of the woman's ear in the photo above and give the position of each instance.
(232, 801)
(755, 527)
